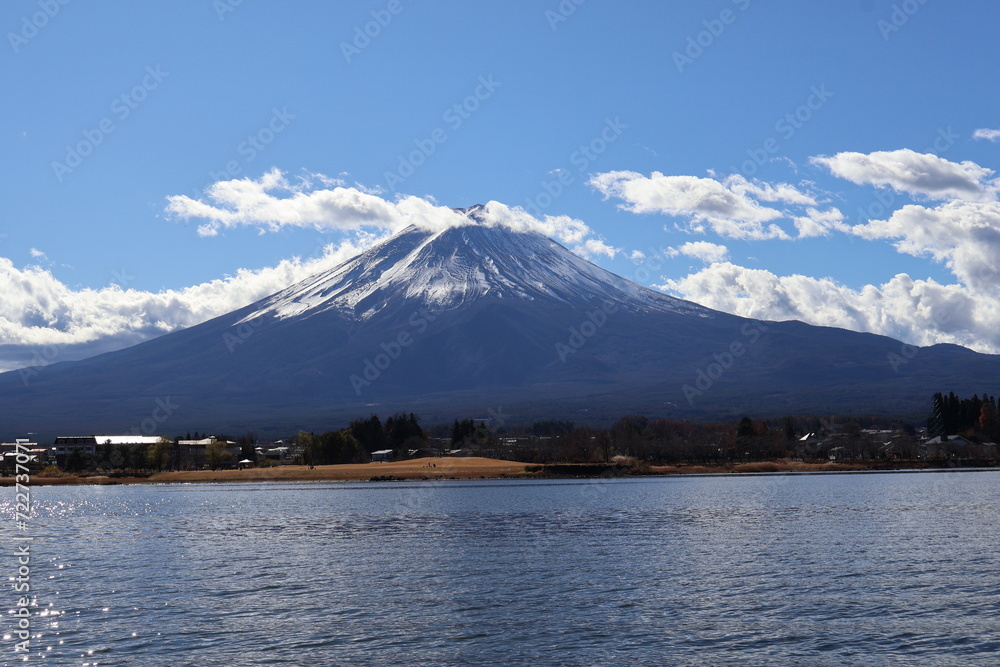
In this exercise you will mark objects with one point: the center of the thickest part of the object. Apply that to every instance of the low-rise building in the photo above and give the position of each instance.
(91, 445)
(67, 444)
(194, 453)
(957, 446)
(280, 453)
(37, 456)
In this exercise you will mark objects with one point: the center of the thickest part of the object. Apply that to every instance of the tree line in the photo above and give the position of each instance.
(354, 444)
(632, 437)
(975, 416)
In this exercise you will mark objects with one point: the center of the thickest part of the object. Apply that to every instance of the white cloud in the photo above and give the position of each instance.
(730, 207)
(987, 134)
(962, 233)
(37, 254)
(571, 232)
(704, 200)
(318, 202)
(965, 236)
(920, 174)
(594, 247)
(920, 312)
(703, 250)
(819, 223)
(38, 311)
(781, 192)
(562, 228)
(273, 202)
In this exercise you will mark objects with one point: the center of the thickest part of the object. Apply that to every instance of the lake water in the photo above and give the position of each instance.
(861, 569)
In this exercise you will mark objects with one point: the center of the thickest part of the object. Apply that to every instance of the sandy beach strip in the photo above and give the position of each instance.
(467, 467)
(464, 468)
(430, 468)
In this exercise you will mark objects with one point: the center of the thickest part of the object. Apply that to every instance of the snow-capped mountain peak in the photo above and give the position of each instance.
(447, 268)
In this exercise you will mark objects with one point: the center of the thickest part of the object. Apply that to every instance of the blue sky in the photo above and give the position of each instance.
(800, 120)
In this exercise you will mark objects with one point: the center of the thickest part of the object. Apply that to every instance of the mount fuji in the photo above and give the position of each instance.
(474, 320)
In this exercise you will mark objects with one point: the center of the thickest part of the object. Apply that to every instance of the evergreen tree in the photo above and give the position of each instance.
(952, 414)
(936, 421)
(970, 413)
(461, 431)
(370, 433)
(789, 428)
(401, 427)
(332, 447)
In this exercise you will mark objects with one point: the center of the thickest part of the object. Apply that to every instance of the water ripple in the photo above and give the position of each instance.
(857, 570)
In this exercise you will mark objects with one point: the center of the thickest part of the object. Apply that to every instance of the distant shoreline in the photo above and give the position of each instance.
(473, 468)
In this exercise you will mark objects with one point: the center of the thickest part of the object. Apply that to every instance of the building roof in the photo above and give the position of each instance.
(204, 442)
(109, 439)
(127, 439)
(32, 454)
(956, 439)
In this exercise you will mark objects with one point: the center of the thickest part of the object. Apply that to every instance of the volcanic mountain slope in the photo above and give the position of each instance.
(465, 321)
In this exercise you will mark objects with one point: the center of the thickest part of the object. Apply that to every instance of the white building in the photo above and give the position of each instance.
(36, 454)
(194, 453)
(66, 444)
